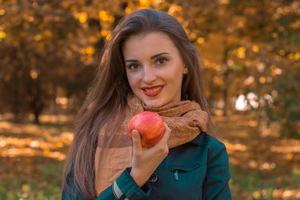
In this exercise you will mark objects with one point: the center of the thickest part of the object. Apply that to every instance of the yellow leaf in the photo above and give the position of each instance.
(224, 2)
(82, 17)
(292, 56)
(34, 74)
(290, 156)
(174, 9)
(38, 37)
(262, 79)
(48, 34)
(241, 52)
(88, 51)
(261, 66)
(2, 35)
(255, 48)
(25, 188)
(295, 25)
(275, 70)
(104, 16)
(128, 10)
(92, 39)
(249, 81)
(218, 81)
(106, 34)
(200, 40)
(2, 11)
(144, 3)
(240, 22)
(29, 18)
(256, 195)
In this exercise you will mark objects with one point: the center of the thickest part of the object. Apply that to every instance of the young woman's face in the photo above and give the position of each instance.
(154, 68)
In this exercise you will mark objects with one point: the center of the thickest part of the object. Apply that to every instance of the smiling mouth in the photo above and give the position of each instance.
(153, 91)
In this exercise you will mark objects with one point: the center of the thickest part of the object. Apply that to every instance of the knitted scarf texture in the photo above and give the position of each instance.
(114, 149)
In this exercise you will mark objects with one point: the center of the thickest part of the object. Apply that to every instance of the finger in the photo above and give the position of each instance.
(162, 145)
(203, 126)
(165, 136)
(201, 122)
(136, 141)
(167, 132)
(204, 121)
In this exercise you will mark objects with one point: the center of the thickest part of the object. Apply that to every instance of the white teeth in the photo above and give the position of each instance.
(153, 89)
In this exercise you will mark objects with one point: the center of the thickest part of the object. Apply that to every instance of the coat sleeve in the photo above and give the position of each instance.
(124, 187)
(216, 185)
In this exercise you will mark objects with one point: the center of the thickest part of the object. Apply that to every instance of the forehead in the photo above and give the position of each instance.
(148, 44)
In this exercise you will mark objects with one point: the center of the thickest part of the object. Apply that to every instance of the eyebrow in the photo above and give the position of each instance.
(152, 57)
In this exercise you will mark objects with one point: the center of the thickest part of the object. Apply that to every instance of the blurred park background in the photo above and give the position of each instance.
(49, 51)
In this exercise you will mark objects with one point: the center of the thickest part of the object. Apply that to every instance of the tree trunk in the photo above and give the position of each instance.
(225, 86)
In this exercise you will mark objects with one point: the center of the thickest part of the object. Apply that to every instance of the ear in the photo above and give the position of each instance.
(185, 70)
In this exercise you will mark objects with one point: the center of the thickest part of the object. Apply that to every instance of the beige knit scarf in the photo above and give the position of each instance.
(114, 150)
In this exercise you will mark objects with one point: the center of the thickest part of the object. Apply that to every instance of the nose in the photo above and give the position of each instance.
(149, 75)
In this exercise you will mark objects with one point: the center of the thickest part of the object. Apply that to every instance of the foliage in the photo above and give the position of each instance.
(50, 50)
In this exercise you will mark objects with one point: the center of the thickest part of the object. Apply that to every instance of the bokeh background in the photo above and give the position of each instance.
(49, 51)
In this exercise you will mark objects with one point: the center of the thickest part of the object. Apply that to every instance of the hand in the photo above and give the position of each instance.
(203, 121)
(146, 160)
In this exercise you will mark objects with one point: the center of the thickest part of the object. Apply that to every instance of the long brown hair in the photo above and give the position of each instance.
(107, 95)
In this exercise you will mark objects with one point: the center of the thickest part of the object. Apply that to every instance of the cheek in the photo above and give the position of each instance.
(174, 75)
(132, 80)
(175, 69)
(175, 79)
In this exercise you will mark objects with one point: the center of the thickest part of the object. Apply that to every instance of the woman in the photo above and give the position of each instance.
(148, 64)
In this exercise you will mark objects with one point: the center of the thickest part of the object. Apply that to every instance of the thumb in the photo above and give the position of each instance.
(136, 141)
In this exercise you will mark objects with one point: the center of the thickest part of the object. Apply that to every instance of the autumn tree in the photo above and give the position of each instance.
(51, 49)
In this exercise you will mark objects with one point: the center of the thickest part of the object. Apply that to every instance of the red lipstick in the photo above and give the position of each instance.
(152, 91)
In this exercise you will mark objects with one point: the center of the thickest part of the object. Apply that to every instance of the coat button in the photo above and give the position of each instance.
(153, 178)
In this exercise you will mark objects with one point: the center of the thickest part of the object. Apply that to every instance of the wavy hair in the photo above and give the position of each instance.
(108, 92)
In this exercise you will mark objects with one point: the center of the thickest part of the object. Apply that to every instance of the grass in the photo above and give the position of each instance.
(46, 186)
(36, 175)
(258, 185)
(43, 185)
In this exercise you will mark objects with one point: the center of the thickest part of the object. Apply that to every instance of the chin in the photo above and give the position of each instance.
(151, 104)
(154, 103)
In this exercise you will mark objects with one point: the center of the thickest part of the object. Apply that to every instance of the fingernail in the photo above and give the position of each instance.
(134, 133)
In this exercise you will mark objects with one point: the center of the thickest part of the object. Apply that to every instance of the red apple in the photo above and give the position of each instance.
(150, 126)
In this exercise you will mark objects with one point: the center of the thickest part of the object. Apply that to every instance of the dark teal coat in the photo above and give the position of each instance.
(197, 170)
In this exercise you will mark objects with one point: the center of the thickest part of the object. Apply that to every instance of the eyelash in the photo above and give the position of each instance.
(130, 66)
(160, 59)
(157, 61)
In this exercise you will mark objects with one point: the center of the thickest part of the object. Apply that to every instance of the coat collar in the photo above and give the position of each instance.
(187, 156)
(200, 139)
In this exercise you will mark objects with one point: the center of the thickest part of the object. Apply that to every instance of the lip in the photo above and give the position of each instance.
(153, 90)
(151, 87)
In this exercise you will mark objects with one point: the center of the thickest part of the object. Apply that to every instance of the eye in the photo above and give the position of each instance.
(133, 66)
(161, 60)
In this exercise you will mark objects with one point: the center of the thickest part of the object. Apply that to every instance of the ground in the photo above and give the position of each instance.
(263, 165)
